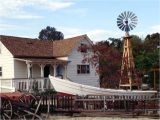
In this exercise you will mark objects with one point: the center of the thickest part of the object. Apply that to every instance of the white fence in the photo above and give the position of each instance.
(24, 84)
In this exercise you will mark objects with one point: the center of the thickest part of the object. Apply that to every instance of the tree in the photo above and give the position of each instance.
(151, 42)
(107, 61)
(116, 43)
(107, 58)
(148, 56)
(50, 33)
(137, 45)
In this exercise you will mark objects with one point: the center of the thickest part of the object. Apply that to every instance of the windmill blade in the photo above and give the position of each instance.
(120, 17)
(132, 15)
(134, 18)
(119, 22)
(120, 26)
(123, 28)
(130, 27)
(125, 14)
(135, 23)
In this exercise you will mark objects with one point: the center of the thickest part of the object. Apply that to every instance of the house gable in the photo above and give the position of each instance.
(6, 63)
(64, 47)
(75, 59)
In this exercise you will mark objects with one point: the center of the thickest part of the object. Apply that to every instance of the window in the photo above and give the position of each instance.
(0, 71)
(83, 69)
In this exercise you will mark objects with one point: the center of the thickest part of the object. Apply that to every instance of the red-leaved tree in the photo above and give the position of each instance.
(107, 61)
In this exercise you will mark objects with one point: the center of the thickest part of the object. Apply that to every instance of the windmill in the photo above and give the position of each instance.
(127, 21)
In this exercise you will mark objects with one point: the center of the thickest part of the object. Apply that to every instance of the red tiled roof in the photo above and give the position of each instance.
(26, 47)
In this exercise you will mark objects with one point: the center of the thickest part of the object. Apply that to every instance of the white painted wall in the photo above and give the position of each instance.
(6, 62)
(36, 71)
(76, 58)
(20, 69)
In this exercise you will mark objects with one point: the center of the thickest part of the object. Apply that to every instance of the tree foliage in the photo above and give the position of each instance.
(50, 33)
(107, 61)
(137, 45)
(148, 55)
(107, 57)
(116, 43)
(151, 42)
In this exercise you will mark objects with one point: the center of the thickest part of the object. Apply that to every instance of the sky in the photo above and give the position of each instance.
(96, 18)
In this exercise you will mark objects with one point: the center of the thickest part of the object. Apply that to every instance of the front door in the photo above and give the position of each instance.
(46, 71)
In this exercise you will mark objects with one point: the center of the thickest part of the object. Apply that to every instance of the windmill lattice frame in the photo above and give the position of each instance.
(127, 21)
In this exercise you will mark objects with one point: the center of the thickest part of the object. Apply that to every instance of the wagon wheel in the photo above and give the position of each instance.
(26, 115)
(5, 108)
(29, 100)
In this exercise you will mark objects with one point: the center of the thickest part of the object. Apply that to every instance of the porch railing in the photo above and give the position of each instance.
(25, 84)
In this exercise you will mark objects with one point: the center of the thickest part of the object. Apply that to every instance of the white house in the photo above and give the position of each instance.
(33, 58)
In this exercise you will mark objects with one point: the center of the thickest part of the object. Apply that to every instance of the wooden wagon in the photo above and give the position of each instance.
(18, 105)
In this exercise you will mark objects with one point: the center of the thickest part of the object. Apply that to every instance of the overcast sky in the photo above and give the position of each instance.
(96, 18)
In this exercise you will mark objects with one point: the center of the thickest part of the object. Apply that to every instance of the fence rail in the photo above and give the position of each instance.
(25, 84)
(81, 104)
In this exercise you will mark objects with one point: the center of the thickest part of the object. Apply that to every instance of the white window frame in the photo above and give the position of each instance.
(83, 69)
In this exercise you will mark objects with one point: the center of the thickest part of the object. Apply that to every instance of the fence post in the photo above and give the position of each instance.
(28, 84)
(104, 103)
(43, 84)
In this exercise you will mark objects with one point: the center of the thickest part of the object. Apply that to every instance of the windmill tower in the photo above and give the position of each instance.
(126, 21)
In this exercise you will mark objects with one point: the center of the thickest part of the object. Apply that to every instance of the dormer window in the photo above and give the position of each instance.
(83, 48)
